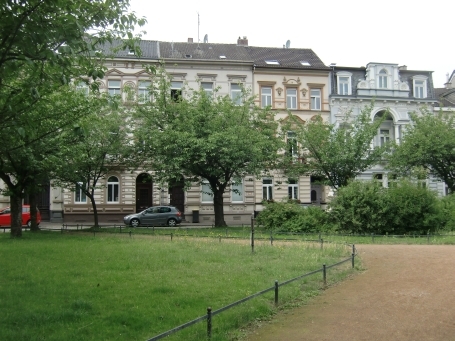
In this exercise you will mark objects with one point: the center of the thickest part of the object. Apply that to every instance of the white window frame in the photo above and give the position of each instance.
(421, 87)
(205, 190)
(384, 137)
(344, 86)
(237, 197)
(383, 79)
(291, 98)
(112, 187)
(143, 91)
(236, 93)
(82, 87)
(293, 189)
(208, 88)
(315, 99)
(266, 96)
(114, 89)
(79, 195)
(291, 140)
(176, 90)
(267, 189)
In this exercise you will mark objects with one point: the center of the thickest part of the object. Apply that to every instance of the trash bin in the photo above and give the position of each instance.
(195, 216)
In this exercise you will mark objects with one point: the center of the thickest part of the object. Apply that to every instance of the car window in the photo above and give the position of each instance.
(25, 209)
(5, 211)
(165, 209)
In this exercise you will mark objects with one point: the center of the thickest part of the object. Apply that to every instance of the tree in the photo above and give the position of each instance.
(336, 154)
(97, 146)
(43, 46)
(429, 144)
(205, 138)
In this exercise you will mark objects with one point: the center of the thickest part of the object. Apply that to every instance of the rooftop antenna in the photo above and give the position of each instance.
(288, 44)
(206, 39)
(198, 24)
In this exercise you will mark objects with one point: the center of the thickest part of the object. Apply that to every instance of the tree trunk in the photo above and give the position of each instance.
(218, 206)
(95, 210)
(16, 215)
(33, 212)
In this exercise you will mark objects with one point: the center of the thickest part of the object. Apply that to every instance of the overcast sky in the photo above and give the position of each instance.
(418, 34)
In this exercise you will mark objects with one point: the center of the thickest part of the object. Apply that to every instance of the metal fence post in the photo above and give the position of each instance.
(353, 257)
(252, 234)
(322, 243)
(209, 323)
(276, 292)
(324, 274)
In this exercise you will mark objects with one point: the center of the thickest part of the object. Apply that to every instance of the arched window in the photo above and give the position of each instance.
(382, 79)
(112, 189)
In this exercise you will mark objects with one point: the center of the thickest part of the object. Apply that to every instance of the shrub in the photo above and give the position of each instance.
(292, 217)
(446, 210)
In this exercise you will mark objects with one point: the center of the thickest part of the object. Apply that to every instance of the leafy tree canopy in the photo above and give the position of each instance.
(206, 137)
(336, 154)
(428, 144)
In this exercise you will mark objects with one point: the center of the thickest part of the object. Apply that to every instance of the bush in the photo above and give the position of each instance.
(367, 207)
(292, 217)
(446, 216)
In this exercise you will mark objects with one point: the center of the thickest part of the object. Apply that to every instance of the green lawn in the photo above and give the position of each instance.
(115, 287)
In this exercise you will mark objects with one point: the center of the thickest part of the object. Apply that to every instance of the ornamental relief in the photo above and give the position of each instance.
(291, 81)
(279, 90)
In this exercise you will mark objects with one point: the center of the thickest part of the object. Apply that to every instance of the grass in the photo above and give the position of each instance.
(116, 287)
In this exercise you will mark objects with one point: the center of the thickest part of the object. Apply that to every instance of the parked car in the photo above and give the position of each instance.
(5, 216)
(154, 216)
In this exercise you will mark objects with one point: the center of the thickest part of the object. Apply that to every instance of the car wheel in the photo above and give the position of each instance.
(29, 224)
(172, 222)
(134, 222)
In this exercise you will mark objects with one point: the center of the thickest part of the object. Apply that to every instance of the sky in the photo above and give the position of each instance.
(418, 34)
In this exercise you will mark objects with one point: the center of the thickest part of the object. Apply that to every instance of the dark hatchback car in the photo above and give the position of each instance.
(154, 216)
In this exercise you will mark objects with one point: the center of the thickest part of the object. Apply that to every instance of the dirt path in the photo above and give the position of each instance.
(406, 293)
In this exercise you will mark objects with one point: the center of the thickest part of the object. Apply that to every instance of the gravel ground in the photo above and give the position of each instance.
(407, 292)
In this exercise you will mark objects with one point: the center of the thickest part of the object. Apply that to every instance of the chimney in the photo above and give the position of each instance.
(190, 40)
(402, 67)
(242, 42)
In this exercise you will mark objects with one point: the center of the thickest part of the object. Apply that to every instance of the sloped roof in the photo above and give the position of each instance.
(287, 58)
(203, 51)
(150, 50)
(446, 97)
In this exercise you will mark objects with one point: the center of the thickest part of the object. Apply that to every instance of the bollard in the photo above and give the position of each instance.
(209, 323)
(324, 274)
(276, 292)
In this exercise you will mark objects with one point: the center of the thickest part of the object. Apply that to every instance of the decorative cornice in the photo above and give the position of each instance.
(315, 85)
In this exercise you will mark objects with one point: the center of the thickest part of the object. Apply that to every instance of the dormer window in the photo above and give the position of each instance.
(383, 79)
(222, 57)
(420, 86)
(131, 52)
(305, 63)
(344, 83)
(272, 62)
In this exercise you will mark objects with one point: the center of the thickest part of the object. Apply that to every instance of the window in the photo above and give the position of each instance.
(343, 85)
(293, 189)
(382, 79)
(266, 97)
(315, 99)
(292, 144)
(272, 62)
(420, 86)
(291, 98)
(236, 94)
(392, 180)
(143, 91)
(267, 189)
(208, 88)
(114, 88)
(379, 178)
(305, 63)
(112, 189)
(384, 137)
(207, 194)
(80, 195)
(176, 91)
(237, 192)
(82, 87)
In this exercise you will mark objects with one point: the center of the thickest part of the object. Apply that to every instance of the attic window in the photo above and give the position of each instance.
(222, 57)
(305, 63)
(131, 52)
(272, 62)
(188, 56)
